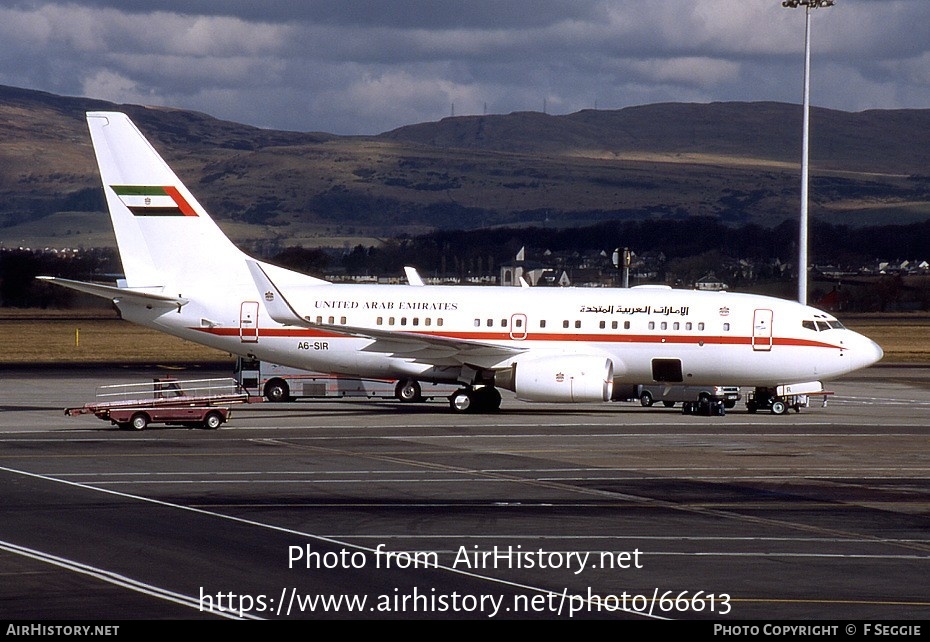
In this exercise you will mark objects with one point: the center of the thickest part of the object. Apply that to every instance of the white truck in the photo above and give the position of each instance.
(280, 383)
(694, 399)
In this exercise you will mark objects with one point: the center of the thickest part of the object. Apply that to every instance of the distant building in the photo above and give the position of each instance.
(710, 282)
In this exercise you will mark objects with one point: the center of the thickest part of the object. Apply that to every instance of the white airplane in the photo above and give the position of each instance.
(183, 276)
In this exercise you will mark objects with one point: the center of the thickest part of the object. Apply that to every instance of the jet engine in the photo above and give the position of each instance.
(560, 378)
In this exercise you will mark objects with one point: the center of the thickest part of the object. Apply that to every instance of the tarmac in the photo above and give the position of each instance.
(361, 509)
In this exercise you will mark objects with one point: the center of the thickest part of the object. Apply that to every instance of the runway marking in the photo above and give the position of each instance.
(599, 469)
(115, 578)
(724, 512)
(291, 531)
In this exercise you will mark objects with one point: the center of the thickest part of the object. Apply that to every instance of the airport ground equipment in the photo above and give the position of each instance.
(282, 383)
(166, 400)
(780, 399)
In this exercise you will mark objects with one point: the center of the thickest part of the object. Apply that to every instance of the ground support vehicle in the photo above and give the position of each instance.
(695, 400)
(779, 399)
(194, 402)
(280, 383)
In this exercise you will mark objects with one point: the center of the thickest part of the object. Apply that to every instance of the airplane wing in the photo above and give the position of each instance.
(414, 345)
(117, 294)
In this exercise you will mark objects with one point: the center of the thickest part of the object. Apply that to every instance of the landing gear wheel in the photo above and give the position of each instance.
(213, 420)
(408, 391)
(483, 399)
(488, 399)
(779, 407)
(461, 401)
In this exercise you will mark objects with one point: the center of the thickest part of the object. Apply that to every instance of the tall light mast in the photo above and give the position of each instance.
(805, 151)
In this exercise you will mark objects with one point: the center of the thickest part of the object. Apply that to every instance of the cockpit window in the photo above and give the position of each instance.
(821, 326)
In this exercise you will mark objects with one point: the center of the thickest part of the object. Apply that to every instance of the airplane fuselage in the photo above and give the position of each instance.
(648, 333)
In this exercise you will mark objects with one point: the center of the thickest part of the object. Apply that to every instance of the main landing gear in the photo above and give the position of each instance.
(480, 399)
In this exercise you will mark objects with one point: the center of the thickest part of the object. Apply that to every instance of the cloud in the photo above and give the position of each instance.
(364, 66)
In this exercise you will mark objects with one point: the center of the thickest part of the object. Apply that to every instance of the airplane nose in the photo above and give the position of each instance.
(867, 352)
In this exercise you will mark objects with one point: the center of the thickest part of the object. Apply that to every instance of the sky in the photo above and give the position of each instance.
(369, 66)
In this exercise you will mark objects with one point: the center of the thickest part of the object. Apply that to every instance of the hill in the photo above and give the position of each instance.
(736, 162)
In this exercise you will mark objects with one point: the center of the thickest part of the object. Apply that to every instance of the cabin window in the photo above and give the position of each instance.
(652, 325)
(726, 327)
(663, 325)
(542, 323)
(518, 323)
(503, 323)
(319, 319)
(565, 323)
(490, 323)
(390, 320)
(416, 320)
(439, 321)
(379, 321)
(427, 321)
(577, 324)
(676, 326)
(626, 325)
(342, 320)
(688, 326)
(403, 320)
(701, 326)
(477, 323)
(602, 325)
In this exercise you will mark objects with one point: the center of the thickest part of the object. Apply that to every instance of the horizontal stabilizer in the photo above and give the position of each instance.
(117, 294)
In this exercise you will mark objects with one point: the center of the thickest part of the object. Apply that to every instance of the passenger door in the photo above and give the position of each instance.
(762, 330)
(248, 322)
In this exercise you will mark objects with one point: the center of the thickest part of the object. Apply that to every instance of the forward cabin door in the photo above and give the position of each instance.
(248, 322)
(762, 330)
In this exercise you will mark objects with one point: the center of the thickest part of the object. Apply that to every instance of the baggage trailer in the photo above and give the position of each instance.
(192, 402)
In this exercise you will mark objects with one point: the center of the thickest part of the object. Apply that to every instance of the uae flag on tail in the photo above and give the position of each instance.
(149, 200)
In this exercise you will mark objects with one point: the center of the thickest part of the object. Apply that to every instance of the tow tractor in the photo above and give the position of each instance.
(780, 398)
(192, 402)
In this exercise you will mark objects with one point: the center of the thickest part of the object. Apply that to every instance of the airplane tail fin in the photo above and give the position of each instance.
(164, 235)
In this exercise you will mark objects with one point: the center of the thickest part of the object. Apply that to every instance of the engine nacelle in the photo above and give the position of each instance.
(563, 378)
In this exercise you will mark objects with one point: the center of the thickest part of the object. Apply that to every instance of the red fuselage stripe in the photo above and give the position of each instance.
(531, 337)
